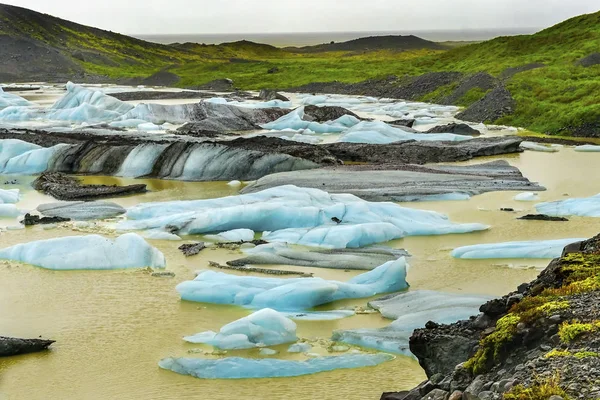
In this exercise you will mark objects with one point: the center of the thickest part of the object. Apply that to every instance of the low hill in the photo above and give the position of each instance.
(392, 42)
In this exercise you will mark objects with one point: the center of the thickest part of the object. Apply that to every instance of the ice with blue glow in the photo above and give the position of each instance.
(12, 100)
(92, 252)
(263, 328)
(290, 207)
(141, 160)
(581, 207)
(77, 96)
(9, 211)
(236, 235)
(295, 121)
(588, 148)
(411, 310)
(291, 294)
(528, 196)
(244, 368)
(19, 157)
(9, 196)
(378, 132)
(529, 249)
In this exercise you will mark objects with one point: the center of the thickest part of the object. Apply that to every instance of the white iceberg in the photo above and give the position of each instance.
(291, 294)
(582, 207)
(299, 348)
(528, 249)
(291, 207)
(236, 235)
(243, 368)
(528, 196)
(9, 196)
(295, 121)
(12, 100)
(263, 328)
(539, 147)
(588, 148)
(141, 160)
(78, 96)
(9, 211)
(378, 132)
(160, 235)
(91, 252)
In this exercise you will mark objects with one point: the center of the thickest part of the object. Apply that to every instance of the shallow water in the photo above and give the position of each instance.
(112, 327)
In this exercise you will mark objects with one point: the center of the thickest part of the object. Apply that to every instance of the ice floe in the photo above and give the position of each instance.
(92, 252)
(236, 235)
(412, 310)
(9, 196)
(291, 294)
(263, 328)
(289, 213)
(12, 100)
(9, 211)
(539, 147)
(378, 132)
(588, 148)
(81, 210)
(581, 207)
(243, 368)
(528, 249)
(295, 121)
(528, 196)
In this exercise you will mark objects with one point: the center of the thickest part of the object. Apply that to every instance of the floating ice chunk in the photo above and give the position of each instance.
(582, 207)
(291, 294)
(588, 148)
(529, 249)
(32, 162)
(295, 121)
(378, 132)
(9, 196)
(234, 184)
(437, 197)
(267, 352)
(236, 235)
(9, 211)
(160, 235)
(300, 348)
(12, 100)
(11, 148)
(338, 236)
(129, 123)
(263, 328)
(141, 160)
(412, 310)
(83, 113)
(77, 96)
(319, 315)
(81, 210)
(91, 252)
(285, 207)
(538, 147)
(242, 368)
(529, 196)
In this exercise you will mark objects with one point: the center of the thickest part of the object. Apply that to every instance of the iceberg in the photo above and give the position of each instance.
(295, 121)
(92, 252)
(263, 328)
(539, 147)
(412, 310)
(78, 96)
(32, 162)
(236, 235)
(9, 196)
(243, 368)
(81, 210)
(141, 160)
(11, 148)
(378, 132)
(290, 207)
(160, 235)
(588, 148)
(529, 249)
(299, 348)
(12, 100)
(583, 207)
(9, 211)
(529, 196)
(291, 294)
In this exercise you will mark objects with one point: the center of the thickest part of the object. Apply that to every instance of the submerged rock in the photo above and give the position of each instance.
(326, 113)
(192, 249)
(14, 347)
(457, 129)
(81, 210)
(64, 187)
(30, 220)
(542, 217)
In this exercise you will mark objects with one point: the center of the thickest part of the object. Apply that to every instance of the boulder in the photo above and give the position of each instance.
(13, 346)
(457, 129)
(268, 95)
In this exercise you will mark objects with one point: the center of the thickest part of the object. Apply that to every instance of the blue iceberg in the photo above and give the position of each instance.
(9, 196)
(585, 207)
(528, 249)
(243, 368)
(291, 294)
(378, 132)
(263, 328)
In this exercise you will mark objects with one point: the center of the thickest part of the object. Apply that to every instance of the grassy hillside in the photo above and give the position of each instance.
(560, 97)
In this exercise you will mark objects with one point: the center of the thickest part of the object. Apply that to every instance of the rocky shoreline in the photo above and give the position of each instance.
(540, 342)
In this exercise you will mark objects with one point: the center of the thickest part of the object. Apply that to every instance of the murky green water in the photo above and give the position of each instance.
(112, 327)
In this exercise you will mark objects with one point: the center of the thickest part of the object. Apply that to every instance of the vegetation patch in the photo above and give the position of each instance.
(571, 331)
(542, 389)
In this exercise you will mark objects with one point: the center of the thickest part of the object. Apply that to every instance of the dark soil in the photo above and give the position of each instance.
(481, 80)
(493, 106)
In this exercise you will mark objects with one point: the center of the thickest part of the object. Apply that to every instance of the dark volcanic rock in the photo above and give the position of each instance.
(192, 249)
(510, 72)
(590, 60)
(480, 80)
(14, 347)
(162, 78)
(268, 95)
(325, 113)
(542, 217)
(218, 85)
(457, 129)
(496, 104)
(30, 220)
(64, 187)
(403, 122)
(585, 129)
(160, 95)
(425, 84)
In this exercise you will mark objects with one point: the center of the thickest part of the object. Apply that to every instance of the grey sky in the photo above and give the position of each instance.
(254, 16)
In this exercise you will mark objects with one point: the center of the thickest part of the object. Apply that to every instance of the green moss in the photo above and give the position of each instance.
(540, 390)
(571, 331)
(440, 93)
(558, 353)
(586, 354)
(491, 346)
(472, 96)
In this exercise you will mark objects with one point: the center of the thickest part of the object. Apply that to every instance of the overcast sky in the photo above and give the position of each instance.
(259, 16)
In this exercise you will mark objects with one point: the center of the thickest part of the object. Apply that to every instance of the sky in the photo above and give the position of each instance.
(260, 16)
